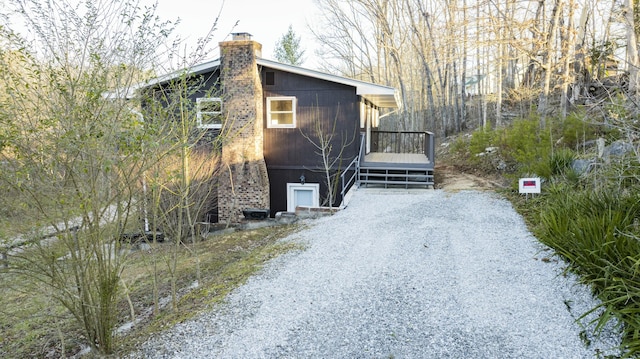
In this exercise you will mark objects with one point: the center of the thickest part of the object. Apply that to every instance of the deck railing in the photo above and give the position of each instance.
(350, 175)
(404, 142)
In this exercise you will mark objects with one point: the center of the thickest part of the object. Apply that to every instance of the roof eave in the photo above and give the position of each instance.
(195, 70)
(379, 95)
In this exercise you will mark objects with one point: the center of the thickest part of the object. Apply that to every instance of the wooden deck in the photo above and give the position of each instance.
(399, 159)
(396, 170)
(406, 161)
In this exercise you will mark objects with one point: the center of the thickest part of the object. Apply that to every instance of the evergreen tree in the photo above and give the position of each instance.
(288, 49)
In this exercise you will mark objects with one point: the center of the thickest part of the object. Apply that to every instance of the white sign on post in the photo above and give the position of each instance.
(530, 185)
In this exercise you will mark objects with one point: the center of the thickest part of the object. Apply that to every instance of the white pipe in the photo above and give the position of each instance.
(387, 114)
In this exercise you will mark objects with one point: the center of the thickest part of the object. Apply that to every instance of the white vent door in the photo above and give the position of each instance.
(305, 195)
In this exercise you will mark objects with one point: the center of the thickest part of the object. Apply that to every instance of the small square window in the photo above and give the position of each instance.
(281, 112)
(209, 112)
(270, 78)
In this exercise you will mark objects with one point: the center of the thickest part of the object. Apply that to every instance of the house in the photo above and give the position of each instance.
(273, 110)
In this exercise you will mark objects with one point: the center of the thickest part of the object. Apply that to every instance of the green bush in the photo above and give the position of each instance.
(560, 161)
(525, 141)
(597, 233)
(558, 164)
(480, 140)
(576, 129)
(523, 146)
(621, 175)
(459, 146)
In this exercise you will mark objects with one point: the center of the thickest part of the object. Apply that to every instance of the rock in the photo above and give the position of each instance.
(582, 166)
(286, 217)
(617, 149)
(600, 144)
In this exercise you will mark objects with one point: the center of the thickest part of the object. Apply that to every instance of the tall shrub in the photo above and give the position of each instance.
(70, 145)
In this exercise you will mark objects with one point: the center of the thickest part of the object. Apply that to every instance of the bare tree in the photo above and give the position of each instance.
(330, 145)
(523, 54)
(182, 181)
(550, 41)
(568, 45)
(633, 61)
(71, 146)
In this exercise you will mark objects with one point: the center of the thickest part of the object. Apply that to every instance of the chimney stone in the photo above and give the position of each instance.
(244, 182)
(240, 36)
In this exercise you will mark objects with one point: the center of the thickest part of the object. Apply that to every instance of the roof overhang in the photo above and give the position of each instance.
(130, 92)
(378, 95)
(385, 97)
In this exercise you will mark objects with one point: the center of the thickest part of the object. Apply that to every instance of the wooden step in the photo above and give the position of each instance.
(407, 177)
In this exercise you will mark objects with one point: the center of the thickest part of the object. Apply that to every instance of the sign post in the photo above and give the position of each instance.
(529, 185)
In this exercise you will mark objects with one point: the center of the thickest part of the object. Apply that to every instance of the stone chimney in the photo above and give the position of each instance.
(244, 182)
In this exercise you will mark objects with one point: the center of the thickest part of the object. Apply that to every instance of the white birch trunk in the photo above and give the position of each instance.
(632, 48)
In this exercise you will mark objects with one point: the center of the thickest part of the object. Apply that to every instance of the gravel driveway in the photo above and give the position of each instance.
(401, 274)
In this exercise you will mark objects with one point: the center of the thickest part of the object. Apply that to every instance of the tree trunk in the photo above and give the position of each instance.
(568, 43)
(579, 67)
(427, 78)
(499, 71)
(632, 49)
(543, 104)
(480, 101)
(463, 75)
(441, 80)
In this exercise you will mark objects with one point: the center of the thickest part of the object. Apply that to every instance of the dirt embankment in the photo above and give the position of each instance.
(450, 178)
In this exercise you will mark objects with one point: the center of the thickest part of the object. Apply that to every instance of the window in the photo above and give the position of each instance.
(269, 78)
(209, 112)
(281, 112)
(305, 195)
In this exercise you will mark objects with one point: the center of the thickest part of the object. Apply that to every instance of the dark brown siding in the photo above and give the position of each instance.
(287, 152)
(279, 179)
(168, 94)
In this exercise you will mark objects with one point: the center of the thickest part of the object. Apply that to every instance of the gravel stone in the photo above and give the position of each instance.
(402, 274)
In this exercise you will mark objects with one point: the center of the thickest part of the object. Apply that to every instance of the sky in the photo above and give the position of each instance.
(266, 20)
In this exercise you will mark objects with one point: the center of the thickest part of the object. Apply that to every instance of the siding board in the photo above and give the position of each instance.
(287, 153)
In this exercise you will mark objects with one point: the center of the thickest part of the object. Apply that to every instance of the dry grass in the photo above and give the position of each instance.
(32, 325)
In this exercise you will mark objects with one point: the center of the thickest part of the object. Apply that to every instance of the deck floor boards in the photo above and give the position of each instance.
(395, 160)
(412, 158)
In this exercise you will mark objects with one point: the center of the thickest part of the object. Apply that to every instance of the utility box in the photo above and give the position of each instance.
(255, 213)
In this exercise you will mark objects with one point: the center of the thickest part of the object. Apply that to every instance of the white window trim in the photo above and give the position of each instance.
(291, 187)
(199, 100)
(293, 106)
